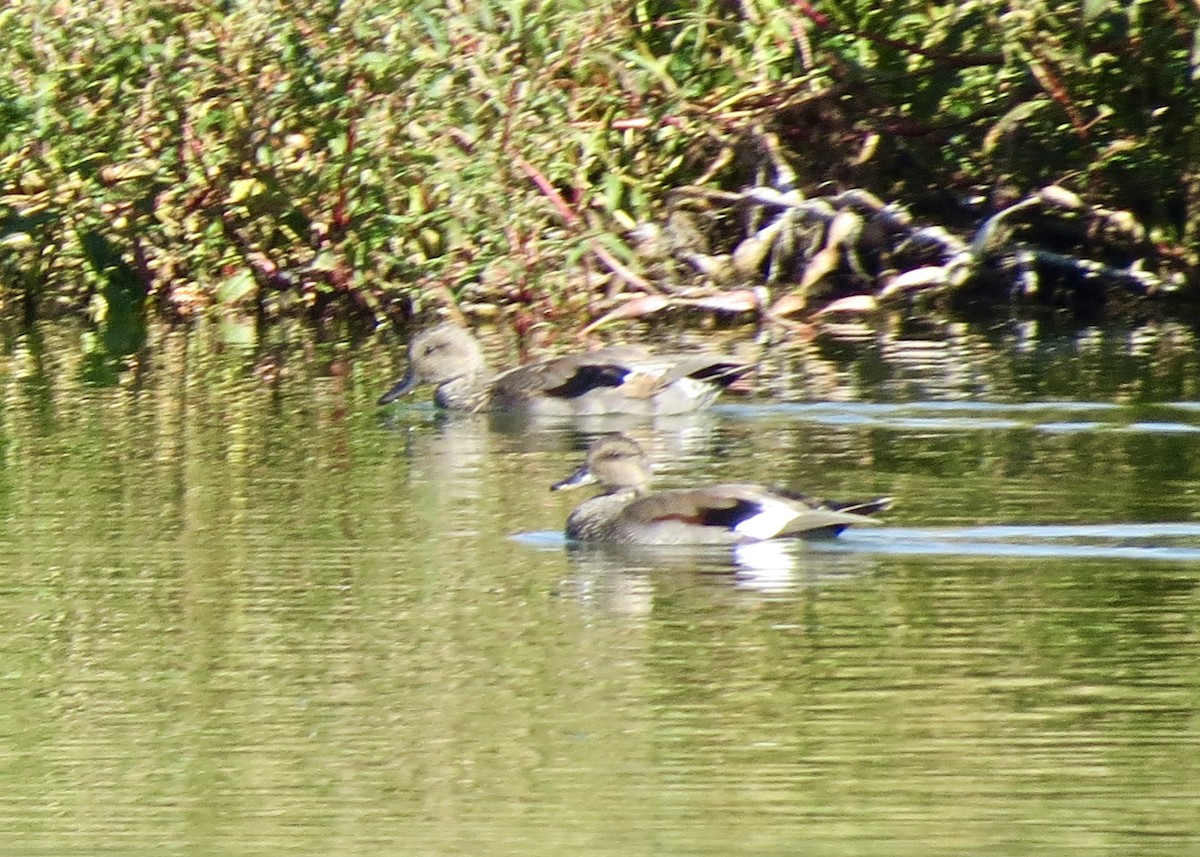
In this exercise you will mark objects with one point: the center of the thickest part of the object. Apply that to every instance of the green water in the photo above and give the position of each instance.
(244, 617)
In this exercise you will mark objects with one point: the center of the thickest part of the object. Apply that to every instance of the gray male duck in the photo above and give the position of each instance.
(628, 513)
(622, 379)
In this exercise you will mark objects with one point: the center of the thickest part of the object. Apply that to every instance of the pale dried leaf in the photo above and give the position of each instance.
(822, 263)
(931, 276)
(742, 300)
(789, 304)
(851, 304)
(845, 226)
(748, 256)
(1060, 196)
(636, 308)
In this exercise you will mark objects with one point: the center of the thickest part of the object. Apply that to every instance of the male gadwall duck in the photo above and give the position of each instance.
(628, 513)
(622, 379)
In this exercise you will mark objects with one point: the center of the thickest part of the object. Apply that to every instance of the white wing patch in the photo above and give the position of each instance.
(684, 395)
(769, 521)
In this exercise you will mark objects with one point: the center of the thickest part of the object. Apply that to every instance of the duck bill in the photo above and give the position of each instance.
(402, 387)
(582, 476)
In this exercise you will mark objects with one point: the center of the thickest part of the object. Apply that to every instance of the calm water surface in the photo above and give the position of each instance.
(244, 616)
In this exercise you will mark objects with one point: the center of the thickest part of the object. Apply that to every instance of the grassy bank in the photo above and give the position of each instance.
(370, 158)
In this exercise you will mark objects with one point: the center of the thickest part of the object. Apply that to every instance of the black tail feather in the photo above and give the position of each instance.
(856, 507)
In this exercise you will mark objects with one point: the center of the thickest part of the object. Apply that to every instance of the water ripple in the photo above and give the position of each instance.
(1097, 541)
(1101, 541)
(1059, 417)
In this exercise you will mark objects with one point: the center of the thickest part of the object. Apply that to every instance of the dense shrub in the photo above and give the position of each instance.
(371, 156)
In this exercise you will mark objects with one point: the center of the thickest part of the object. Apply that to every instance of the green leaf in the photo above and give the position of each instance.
(236, 288)
(242, 189)
(1010, 120)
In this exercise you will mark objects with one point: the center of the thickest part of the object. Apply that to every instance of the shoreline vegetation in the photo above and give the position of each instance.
(571, 164)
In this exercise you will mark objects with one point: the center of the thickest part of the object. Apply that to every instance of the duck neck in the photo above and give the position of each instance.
(467, 392)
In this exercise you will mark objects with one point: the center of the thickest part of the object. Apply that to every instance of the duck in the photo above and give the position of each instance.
(627, 512)
(620, 379)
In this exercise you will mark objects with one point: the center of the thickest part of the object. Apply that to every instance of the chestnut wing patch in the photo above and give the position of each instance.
(694, 507)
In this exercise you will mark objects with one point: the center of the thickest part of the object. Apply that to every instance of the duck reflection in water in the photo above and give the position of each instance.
(628, 579)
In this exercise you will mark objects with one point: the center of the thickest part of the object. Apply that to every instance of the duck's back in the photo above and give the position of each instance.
(625, 379)
(716, 514)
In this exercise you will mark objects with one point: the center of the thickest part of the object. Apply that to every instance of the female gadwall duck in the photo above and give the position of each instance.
(627, 513)
(623, 379)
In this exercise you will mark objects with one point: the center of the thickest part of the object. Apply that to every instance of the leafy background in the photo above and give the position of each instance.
(368, 159)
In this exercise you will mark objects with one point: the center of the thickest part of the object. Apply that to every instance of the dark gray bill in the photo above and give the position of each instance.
(403, 386)
(582, 476)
